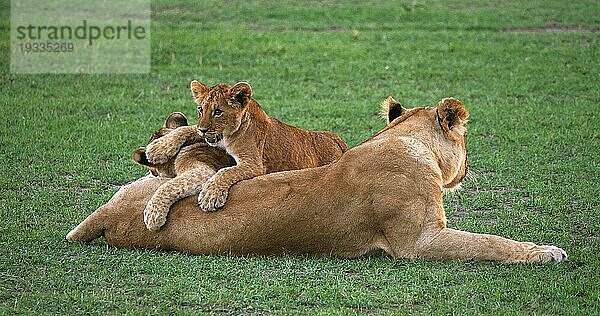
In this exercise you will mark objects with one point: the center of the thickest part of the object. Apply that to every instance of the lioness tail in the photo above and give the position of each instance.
(88, 230)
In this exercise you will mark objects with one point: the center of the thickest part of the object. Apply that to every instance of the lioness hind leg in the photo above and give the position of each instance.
(187, 184)
(450, 244)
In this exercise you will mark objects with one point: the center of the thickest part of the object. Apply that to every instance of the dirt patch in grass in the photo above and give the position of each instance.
(74, 185)
(483, 215)
(553, 29)
(584, 234)
(497, 189)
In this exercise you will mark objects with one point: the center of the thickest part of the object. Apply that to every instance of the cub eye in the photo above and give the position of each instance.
(199, 110)
(217, 113)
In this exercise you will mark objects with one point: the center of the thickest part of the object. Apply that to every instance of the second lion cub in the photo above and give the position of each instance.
(229, 118)
(195, 163)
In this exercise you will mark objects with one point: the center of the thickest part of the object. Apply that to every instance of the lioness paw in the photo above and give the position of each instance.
(212, 197)
(160, 151)
(544, 254)
(153, 217)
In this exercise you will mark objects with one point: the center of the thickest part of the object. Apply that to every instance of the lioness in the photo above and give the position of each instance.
(195, 163)
(385, 194)
(229, 118)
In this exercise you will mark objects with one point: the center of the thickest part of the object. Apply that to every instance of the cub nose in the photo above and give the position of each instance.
(203, 130)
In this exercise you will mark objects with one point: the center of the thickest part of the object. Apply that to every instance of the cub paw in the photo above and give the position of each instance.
(160, 151)
(153, 217)
(212, 197)
(544, 254)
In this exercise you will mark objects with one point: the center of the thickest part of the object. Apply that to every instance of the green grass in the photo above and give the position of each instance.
(534, 142)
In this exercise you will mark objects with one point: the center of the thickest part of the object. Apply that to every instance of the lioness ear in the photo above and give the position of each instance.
(175, 120)
(139, 156)
(452, 114)
(391, 108)
(198, 89)
(241, 92)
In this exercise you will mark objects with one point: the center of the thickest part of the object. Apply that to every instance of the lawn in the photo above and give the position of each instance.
(528, 71)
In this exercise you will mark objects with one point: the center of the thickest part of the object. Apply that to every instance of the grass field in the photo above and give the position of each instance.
(527, 70)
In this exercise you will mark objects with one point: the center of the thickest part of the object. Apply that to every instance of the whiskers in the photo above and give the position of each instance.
(471, 182)
(474, 179)
(448, 191)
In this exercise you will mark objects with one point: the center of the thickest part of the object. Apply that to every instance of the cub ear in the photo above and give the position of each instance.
(391, 108)
(241, 92)
(139, 156)
(452, 114)
(198, 89)
(175, 120)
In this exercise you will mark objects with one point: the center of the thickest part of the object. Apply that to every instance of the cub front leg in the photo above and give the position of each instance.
(216, 189)
(163, 149)
(187, 184)
(449, 244)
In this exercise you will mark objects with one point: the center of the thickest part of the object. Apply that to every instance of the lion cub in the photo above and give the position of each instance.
(229, 118)
(195, 163)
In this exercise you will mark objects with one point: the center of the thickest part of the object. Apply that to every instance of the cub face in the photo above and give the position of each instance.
(173, 121)
(220, 109)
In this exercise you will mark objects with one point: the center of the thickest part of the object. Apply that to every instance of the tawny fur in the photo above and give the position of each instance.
(230, 119)
(381, 195)
(195, 163)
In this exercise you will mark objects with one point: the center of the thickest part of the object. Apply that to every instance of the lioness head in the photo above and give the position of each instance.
(441, 128)
(220, 109)
(173, 121)
(452, 117)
